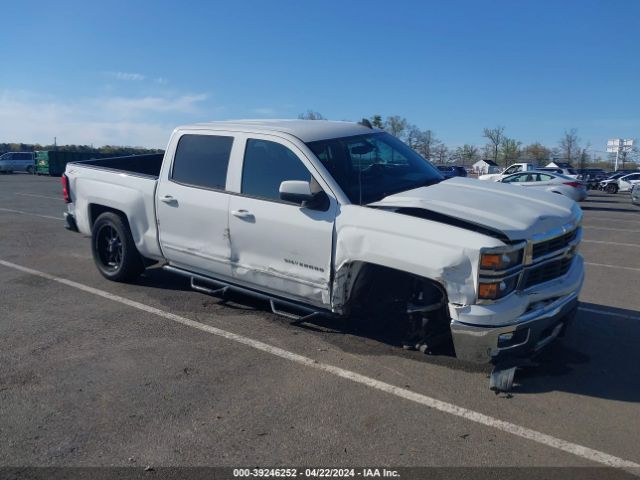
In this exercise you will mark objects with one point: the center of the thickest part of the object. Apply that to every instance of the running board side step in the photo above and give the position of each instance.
(217, 292)
(215, 287)
(296, 319)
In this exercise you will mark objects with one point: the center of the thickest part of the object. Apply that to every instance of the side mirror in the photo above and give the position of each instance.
(298, 191)
(295, 191)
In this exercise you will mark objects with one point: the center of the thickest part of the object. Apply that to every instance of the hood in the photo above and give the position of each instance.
(517, 212)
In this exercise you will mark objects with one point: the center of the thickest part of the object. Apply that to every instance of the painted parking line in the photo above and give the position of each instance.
(601, 219)
(618, 267)
(601, 242)
(608, 228)
(40, 196)
(10, 210)
(445, 407)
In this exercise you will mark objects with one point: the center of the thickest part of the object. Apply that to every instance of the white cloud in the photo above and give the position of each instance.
(140, 121)
(126, 76)
(133, 106)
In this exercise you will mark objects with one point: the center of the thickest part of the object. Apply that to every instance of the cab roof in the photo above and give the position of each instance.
(305, 130)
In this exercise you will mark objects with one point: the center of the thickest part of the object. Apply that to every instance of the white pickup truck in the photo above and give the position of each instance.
(514, 168)
(338, 218)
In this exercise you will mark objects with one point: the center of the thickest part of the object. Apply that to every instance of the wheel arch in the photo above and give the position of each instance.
(349, 282)
(95, 210)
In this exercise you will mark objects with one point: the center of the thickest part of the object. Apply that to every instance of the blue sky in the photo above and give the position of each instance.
(128, 72)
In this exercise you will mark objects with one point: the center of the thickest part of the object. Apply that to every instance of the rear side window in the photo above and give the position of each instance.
(202, 161)
(266, 166)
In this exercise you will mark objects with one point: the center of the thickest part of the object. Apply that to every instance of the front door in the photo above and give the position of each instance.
(625, 183)
(192, 205)
(278, 246)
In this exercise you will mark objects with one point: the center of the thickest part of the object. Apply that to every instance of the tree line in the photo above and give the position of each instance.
(115, 150)
(499, 147)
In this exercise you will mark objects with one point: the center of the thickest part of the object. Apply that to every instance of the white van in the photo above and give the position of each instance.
(17, 162)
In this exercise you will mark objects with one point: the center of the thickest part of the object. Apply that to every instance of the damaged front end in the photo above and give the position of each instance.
(499, 299)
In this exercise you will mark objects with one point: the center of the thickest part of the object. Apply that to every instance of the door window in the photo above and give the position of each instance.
(523, 177)
(202, 161)
(268, 164)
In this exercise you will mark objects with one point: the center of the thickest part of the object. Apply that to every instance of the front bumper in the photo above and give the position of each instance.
(532, 332)
(551, 309)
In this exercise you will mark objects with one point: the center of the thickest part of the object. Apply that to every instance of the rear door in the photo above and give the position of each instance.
(25, 160)
(192, 204)
(520, 179)
(281, 247)
(543, 179)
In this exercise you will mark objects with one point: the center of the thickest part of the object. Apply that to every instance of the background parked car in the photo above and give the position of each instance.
(591, 177)
(620, 182)
(627, 181)
(515, 168)
(610, 184)
(635, 194)
(450, 171)
(17, 162)
(566, 171)
(549, 181)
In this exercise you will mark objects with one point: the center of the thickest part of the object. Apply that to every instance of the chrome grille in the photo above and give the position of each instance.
(547, 247)
(545, 272)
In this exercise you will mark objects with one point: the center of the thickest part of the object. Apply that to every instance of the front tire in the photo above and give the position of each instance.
(612, 188)
(114, 252)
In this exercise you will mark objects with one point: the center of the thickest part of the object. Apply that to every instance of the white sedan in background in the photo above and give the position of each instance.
(551, 182)
(626, 182)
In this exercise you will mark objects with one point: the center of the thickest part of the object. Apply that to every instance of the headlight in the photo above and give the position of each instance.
(498, 289)
(499, 261)
(499, 271)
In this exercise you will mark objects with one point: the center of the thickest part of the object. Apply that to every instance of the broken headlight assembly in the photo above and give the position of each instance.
(499, 271)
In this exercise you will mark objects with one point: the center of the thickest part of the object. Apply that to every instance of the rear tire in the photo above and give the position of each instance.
(114, 252)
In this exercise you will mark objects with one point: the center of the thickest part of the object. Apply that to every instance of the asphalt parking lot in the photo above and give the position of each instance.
(99, 373)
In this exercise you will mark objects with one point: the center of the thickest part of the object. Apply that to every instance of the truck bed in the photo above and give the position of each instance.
(123, 184)
(145, 165)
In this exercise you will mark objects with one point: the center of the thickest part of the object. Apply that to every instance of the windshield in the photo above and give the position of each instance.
(373, 166)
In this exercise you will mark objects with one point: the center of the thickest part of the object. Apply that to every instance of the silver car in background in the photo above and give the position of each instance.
(549, 181)
(17, 162)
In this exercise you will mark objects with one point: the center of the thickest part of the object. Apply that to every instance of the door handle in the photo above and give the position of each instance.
(168, 199)
(241, 213)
